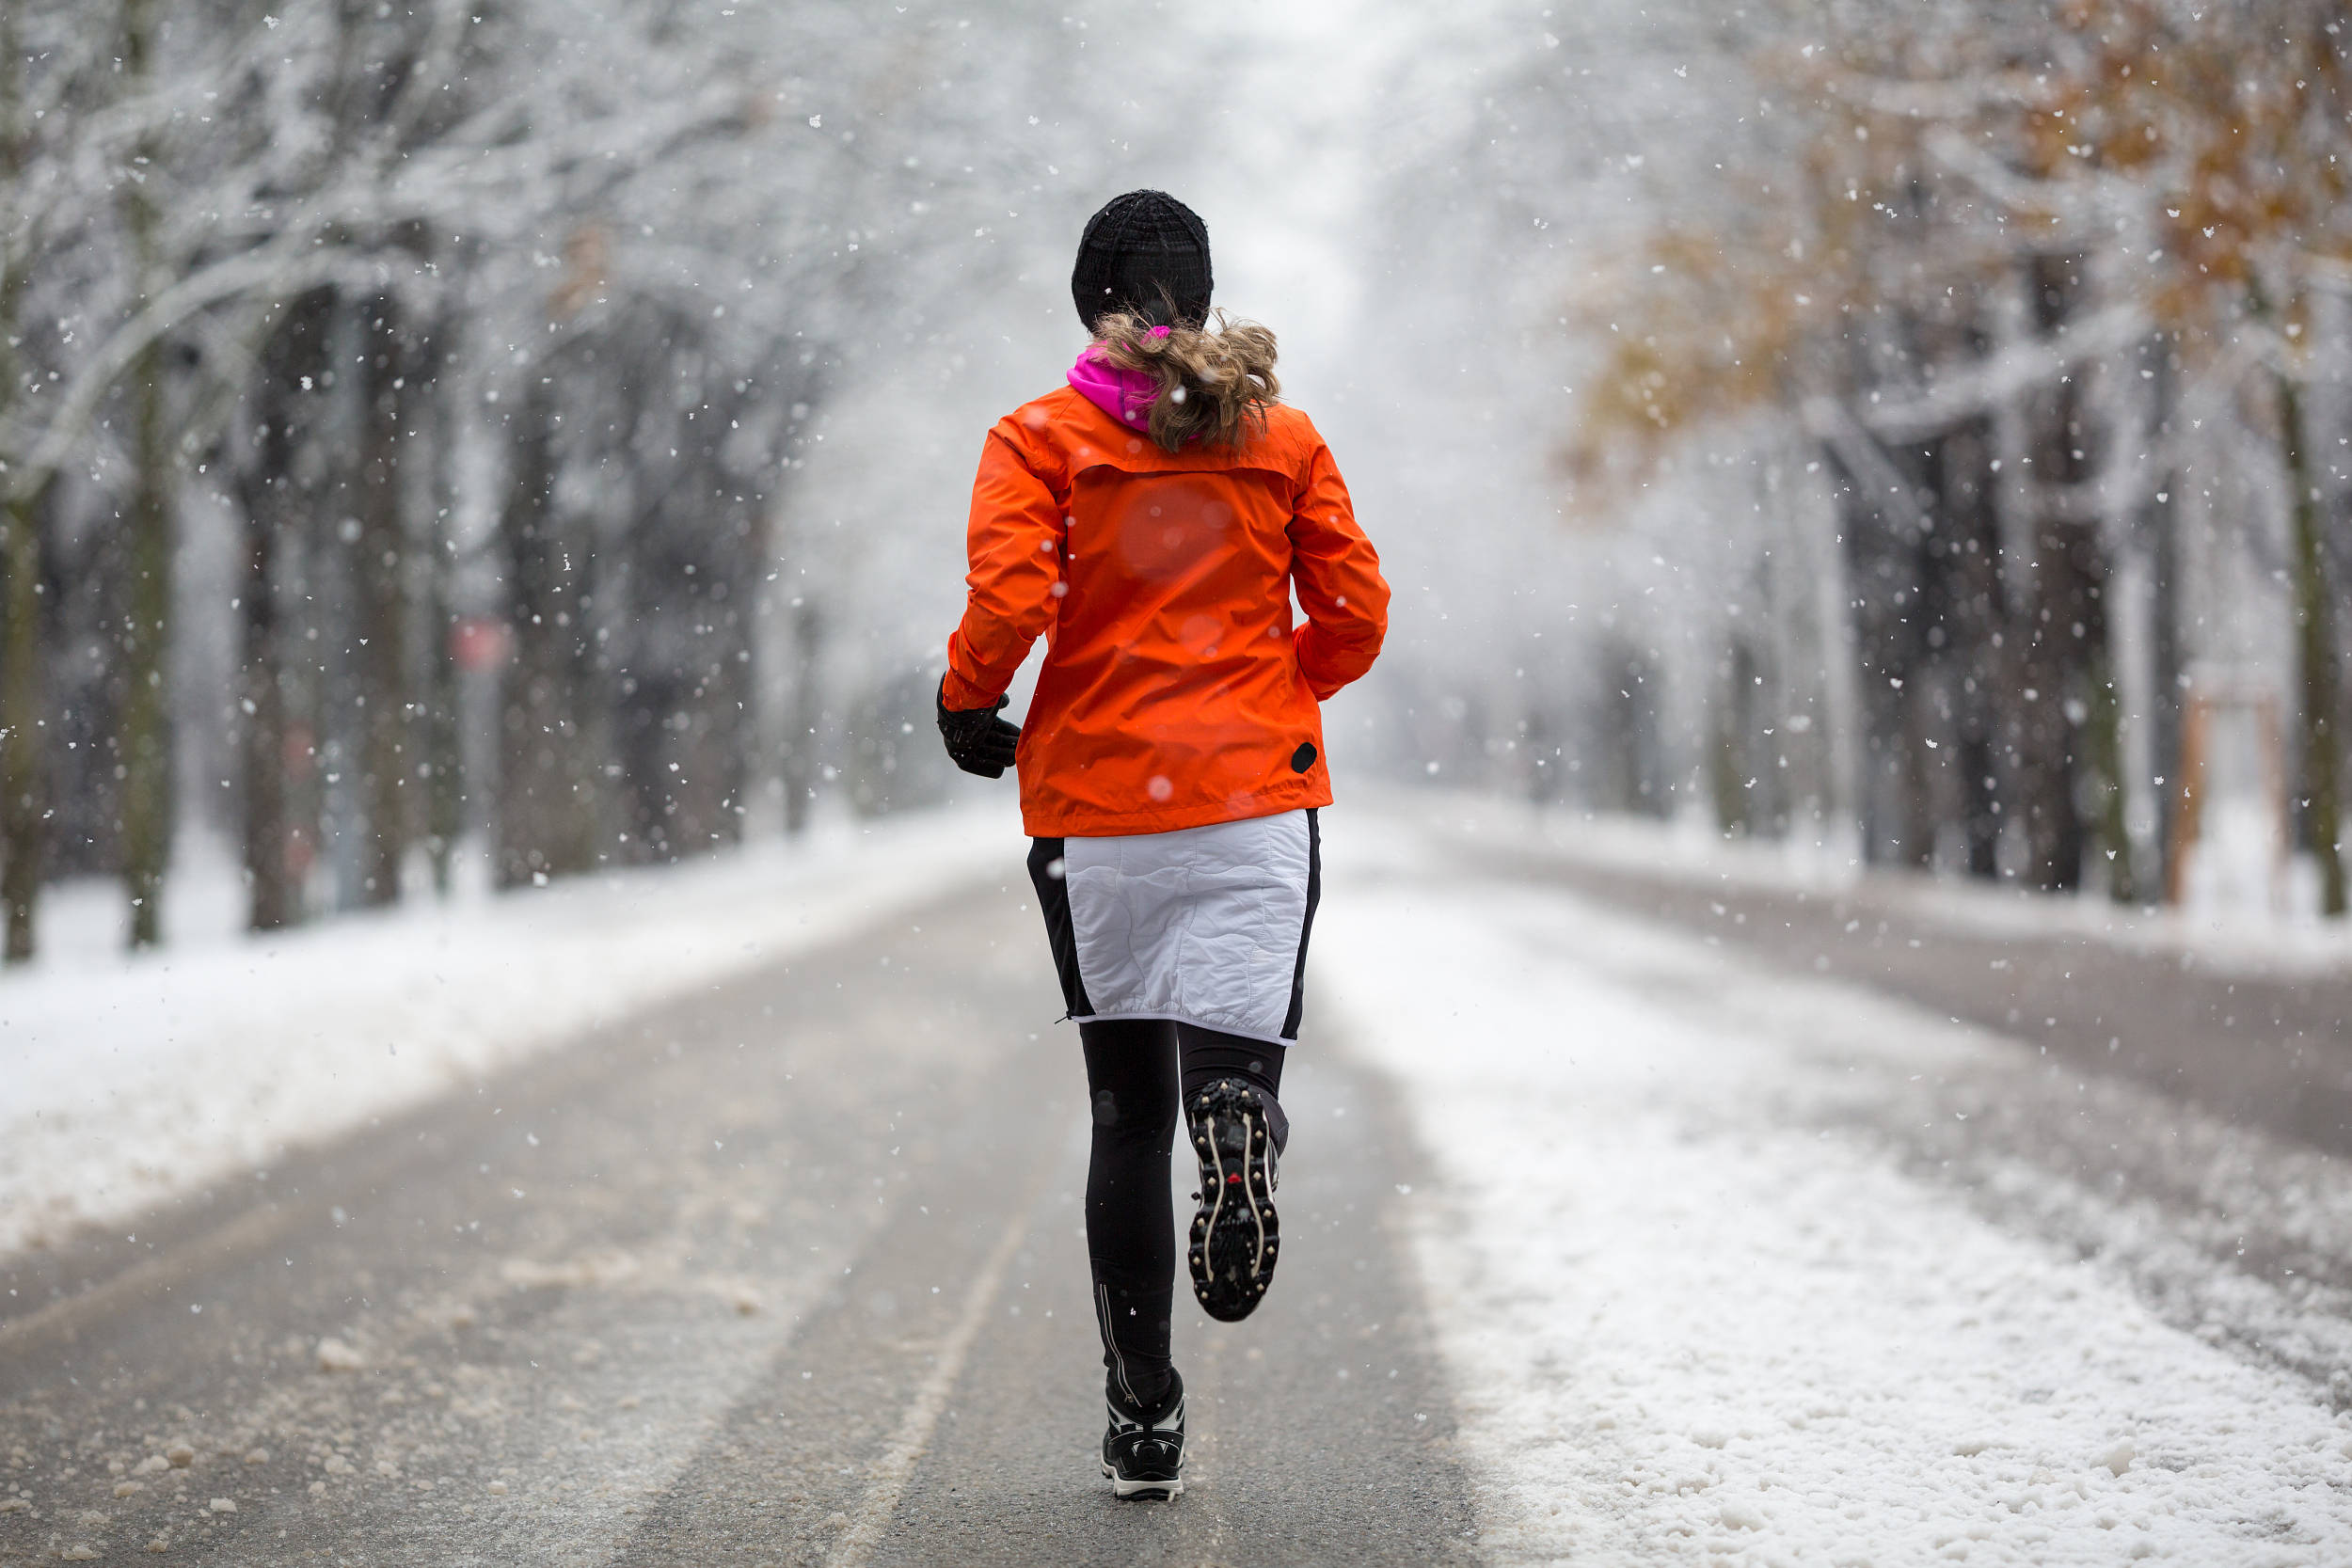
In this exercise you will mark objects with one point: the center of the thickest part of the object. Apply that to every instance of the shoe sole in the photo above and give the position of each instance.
(1235, 1235)
(1143, 1491)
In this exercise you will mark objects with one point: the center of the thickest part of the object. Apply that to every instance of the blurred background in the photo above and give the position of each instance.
(465, 444)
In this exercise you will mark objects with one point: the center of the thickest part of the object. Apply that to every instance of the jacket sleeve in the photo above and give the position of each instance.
(1014, 542)
(1337, 574)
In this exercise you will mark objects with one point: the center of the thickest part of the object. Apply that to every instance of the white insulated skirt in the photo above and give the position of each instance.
(1202, 925)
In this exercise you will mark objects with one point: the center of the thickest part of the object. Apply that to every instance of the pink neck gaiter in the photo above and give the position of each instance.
(1126, 396)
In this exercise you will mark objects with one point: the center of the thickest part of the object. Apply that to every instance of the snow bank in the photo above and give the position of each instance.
(127, 1081)
(2239, 941)
(1690, 1324)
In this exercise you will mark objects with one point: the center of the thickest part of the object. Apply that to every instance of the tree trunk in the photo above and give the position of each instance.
(274, 509)
(146, 718)
(379, 580)
(2317, 790)
(1840, 747)
(550, 780)
(2167, 636)
(23, 706)
(2129, 613)
(145, 746)
(800, 749)
(2051, 568)
(444, 736)
(23, 804)
(1971, 599)
(269, 888)
(442, 741)
(2130, 827)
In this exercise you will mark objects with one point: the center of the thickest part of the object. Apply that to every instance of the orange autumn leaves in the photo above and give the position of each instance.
(1908, 164)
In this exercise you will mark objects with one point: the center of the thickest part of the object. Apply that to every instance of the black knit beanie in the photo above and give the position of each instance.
(1145, 252)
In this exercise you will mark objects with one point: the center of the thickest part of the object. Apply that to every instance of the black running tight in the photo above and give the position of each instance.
(1136, 1071)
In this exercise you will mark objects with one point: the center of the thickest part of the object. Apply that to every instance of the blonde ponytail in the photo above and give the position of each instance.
(1216, 381)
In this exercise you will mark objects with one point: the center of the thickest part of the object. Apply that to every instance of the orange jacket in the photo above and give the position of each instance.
(1176, 691)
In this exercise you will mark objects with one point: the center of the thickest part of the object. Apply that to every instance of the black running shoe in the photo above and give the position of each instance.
(1234, 1237)
(1143, 1452)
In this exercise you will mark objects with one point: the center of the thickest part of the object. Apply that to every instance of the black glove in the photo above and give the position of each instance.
(977, 740)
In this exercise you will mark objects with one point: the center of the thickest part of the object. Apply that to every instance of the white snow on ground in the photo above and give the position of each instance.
(129, 1080)
(2240, 939)
(1687, 1325)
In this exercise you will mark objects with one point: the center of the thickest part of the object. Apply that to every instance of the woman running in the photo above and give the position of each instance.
(1151, 520)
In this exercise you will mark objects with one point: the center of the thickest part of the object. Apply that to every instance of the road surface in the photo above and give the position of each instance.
(1764, 1227)
(792, 1275)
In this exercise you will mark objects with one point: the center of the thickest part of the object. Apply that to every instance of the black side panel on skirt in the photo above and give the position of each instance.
(1306, 927)
(1053, 900)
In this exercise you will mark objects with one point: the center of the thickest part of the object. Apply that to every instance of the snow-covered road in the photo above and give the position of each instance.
(785, 1269)
(1726, 1260)
(1702, 1303)
(127, 1081)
